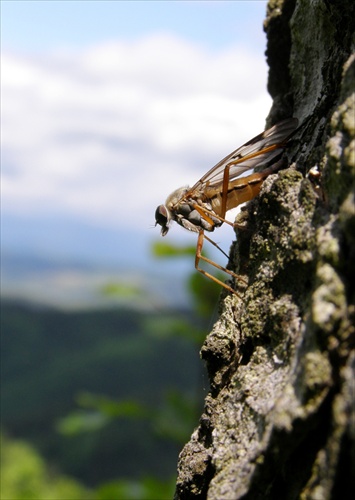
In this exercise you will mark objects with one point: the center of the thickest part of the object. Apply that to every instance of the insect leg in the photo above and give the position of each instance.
(216, 245)
(206, 213)
(225, 190)
(247, 183)
(228, 271)
(199, 256)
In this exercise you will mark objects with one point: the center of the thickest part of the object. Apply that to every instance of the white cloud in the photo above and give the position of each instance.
(107, 133)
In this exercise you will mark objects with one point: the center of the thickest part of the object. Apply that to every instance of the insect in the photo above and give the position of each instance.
(203, 207)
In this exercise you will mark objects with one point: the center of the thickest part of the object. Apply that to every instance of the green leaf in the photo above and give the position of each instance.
(166, 250)
(80, 421)
(112, 408)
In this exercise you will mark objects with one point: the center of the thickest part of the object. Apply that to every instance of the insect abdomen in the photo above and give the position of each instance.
(239, 191)
(244, 190)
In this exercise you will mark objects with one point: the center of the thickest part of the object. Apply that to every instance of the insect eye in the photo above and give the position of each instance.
(161, 215)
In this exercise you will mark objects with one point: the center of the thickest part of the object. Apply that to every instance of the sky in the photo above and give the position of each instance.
(109, 106)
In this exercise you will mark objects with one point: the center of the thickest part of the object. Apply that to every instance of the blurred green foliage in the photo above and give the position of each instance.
(97, 359)
(173, 419)
(25, 475)
(161, 249)
(147, 488)
(100, 375)
(96, 411)
(121, 289)
(203, 291)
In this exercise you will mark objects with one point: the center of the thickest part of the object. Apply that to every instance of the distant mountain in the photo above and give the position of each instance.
(76, 284)
(64, 262)
(66, 238)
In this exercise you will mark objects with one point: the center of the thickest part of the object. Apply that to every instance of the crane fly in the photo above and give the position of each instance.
(227, 185)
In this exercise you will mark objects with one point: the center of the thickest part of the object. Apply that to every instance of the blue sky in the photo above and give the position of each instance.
(107, 107)
(48, 25)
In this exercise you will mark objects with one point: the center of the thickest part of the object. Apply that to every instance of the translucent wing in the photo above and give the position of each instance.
(256, 152)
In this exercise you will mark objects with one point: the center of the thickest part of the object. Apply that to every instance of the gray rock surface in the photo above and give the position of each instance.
(279, 419)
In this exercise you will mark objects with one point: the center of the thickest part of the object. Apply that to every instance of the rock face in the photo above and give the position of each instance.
(279, 419)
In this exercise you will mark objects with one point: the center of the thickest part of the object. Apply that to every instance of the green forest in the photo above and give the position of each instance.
(97, 402)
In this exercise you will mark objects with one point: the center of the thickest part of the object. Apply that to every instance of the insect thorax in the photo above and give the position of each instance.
(184, 211)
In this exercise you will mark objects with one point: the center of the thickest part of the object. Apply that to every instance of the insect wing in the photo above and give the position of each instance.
(259, 150)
